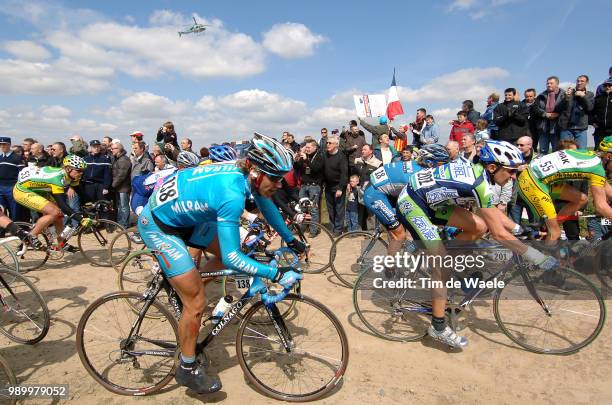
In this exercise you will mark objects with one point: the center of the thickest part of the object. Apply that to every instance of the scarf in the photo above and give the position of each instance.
(550, 102)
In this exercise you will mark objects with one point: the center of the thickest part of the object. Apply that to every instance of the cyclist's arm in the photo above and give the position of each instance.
(497, 225)
(273, 217)
(600, 201)
(61, 199)
(281, 201)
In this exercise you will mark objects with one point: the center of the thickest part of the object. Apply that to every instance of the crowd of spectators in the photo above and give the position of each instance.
(335, 166)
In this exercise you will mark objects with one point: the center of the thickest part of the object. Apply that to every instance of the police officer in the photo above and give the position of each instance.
(97, 178)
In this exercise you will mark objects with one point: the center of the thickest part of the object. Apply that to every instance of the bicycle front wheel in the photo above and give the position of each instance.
(353, 253)
(139, 363)
(7, 378)
(30, 258)
(25, 317)
(549, 312)
(120, 248)
(94, 241)
(320, 241)
(315, 362)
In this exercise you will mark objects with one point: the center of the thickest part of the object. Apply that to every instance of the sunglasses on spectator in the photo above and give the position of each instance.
(521, 144)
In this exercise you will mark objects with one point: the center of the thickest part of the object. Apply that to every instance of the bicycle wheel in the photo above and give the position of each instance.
(140, 365)
(8, 258)
(7, 378)
(95, 240)
(120, 248)
(352, 253)
(29, 258)
(25, 318)
(316, 362)
(137, 271)
(570, 315)
(399, 314)
(320, 243)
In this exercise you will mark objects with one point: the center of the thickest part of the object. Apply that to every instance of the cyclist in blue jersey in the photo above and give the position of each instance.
(436, 194)
(386, 183)
(201, 207)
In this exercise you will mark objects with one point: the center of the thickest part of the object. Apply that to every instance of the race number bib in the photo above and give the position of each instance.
(26, 174)
(243, 283)
(167, 192)
(606, 222)
(425, 179)
(379, 175)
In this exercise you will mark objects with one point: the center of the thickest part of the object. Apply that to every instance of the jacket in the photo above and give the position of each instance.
(167, 137)
(40, 161)
(576, 114)
(10, 166)
(311, 169)
(532, 119)
(488, 116)
(99, 170)
(335, 174)
(378, 153)
(376, 131)
(459, 129)
(365, 167)
(511, 119)
(122, 167)
(602, 113)
(57, 161)
(538, 109)
(429, 134)
(473, 116)
(141, 164)
(352, 140)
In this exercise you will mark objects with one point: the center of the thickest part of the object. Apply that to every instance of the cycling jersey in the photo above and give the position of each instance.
(193, 206)
(385, 185)
(433, 193)
(36, 184)
(542, 182)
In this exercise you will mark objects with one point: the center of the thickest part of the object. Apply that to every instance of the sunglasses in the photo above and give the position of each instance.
(521, 144)
(274, 179)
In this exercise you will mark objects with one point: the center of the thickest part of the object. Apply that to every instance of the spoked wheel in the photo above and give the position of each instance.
(317, 358)
(137, 365)
(8, 258)
(25, 316)
(29, 258)
(121, 246)
(401, 314)
(320, 241)
(353, 253)
(550, 312)
(7, 378)
(95, 240)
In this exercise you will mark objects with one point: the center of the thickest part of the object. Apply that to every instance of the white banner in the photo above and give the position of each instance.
(370, 105)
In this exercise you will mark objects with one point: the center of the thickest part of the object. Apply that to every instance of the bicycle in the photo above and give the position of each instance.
(9, 248)
(146, 350)
(92, 240)
(527, 307)
(7, 378)
(121, 246)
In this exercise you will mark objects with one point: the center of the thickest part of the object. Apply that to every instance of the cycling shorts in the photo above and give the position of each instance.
(539, 196)
(30, 199)
(379, 204)
(416, 212)
(174, 258)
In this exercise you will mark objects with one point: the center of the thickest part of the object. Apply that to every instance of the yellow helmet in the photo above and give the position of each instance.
(606, 144)
(74, 161)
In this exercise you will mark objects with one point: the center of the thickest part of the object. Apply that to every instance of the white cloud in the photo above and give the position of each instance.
(462, 4)
(291, 40)
(56, 111)
(477, 9)
(27, 50)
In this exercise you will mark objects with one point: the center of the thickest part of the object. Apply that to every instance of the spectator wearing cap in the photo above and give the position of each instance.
(136, 136)
(38, 156)
(602, 113)
(121, 183)
(58, 153)
(10, 165)
(79, 146)
(141, 161)
(167, 135)
(98, 176)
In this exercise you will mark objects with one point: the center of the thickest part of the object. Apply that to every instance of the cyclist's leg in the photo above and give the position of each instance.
(601, 195)
(473, 227)
(378, 203)
(538, 198)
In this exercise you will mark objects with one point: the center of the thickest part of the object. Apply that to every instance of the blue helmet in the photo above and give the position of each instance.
(432, 154)
(502, 153)
(269, 155)
(222, 153)
(383, 120)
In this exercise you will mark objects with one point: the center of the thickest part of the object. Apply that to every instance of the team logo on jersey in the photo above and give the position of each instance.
(425, 227)
(441, 194)
(144, 220)
(406, 206)
(380, 207)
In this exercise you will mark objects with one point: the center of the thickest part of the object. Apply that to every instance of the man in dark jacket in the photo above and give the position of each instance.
(471, 114)
(309, 165)
(121, 183)
(376, 130)
(335, 177)
(574, 121)
(602, 113)
(58, 153)
(547, 108)
(510, 117)
(39, 156)
(532, 120)
(98, 176)
(166, 135)
(10, 165)
(354, 141)
(364, 166)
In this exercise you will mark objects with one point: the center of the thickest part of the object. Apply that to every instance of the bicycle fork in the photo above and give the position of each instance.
(281, 328)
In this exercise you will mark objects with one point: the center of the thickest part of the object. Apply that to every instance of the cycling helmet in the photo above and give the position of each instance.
(222, 153)
(74, 161)
(383, 120)
(187, 159)
(432, 154)
(502, 153)
(606, 144)
(269, 155)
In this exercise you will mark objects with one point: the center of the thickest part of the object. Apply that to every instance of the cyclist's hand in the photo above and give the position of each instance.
(289, 278)
(299, 218)
(297, 246)
(86, 222)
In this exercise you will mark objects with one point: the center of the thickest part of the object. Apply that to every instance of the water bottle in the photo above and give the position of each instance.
(222, 306)
(67, 232)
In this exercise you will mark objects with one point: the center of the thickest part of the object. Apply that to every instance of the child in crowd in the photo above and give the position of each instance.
(352, 205)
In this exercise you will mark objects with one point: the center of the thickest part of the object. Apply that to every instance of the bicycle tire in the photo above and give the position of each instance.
(102, 375)
(347, 273)
(336, 370)
(546, 286)
(33, 259)
(320, 246)
(385, 311)
(120, 248)
(7, 377)
(8, 260)
(23, 303)
(96, 250)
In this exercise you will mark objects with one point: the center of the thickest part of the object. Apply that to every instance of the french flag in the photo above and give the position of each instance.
(394, 107)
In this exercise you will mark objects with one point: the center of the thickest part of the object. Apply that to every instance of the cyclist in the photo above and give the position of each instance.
(42, 189)
(436, 193)
(201, 207)
(386, 183)
(221, 153)
(6, 224)
(543, 181)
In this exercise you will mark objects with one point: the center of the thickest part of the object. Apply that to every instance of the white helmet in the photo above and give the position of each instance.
(502, 153)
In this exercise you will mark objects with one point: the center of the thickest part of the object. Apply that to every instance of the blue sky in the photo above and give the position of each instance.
(109, 68)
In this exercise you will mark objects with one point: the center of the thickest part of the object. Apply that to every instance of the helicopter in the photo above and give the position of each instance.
(194, 29)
